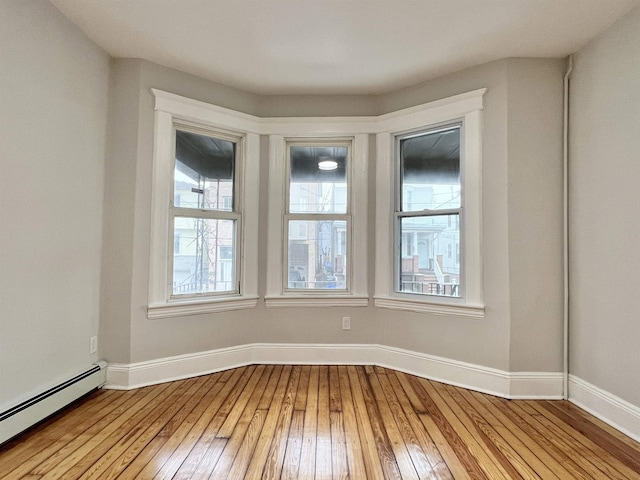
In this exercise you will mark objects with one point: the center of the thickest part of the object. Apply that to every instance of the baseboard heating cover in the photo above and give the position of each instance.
(26, 414)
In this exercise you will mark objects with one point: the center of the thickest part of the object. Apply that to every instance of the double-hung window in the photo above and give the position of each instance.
(205, 217)
(317, 239)
(318, 220)
(204, 230)
(428, 207)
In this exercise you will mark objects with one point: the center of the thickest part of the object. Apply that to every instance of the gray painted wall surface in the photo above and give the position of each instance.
(53, 121)
(485, 342)
(535, 214)
(479, 341)
(604, 206)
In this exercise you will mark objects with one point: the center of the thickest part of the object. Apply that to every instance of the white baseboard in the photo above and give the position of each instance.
(530, 385)
(613, 410)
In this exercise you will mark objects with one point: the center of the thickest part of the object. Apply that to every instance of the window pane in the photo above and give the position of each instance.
(204, 251)
(426, 262)
(318, 179)
(317, 256)
(203, 175)
(430, 170)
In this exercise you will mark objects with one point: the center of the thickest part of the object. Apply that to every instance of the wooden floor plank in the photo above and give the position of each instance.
(395, 428)
(535, 437)
(625, 454)
(291, 465)
(307, 468)
(433, 417)
(607, 463)
(275, 458)
(36, 446)
(521, 459)
(116, 427)
(371, 459)
(257, 461)
(544, 465)
(353, 440)
(255, 446)
(323, 432)
(320, 422)
(427, 460)
(365, 396)
(247, 423)
(207, 428)
(148, 437)
(567, 442)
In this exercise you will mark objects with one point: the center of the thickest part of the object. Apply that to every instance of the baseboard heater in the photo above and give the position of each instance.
(19, 418)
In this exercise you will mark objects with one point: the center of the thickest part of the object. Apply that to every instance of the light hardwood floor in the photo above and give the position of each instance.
(306, 422)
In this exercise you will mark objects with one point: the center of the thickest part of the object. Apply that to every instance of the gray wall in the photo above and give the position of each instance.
(535, 214)
(516, 151)
(53, 122)
(522, 222)
(604, 206)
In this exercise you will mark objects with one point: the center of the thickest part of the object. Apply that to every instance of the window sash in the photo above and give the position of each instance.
(330, 216)
(234, 281)
(176, 211)
(288, 218)
(399, 214)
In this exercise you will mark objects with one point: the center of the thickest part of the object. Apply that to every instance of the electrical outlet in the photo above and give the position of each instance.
(346, 323)
(93, 345)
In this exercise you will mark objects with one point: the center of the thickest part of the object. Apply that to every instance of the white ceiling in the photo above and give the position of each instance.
(337, 46)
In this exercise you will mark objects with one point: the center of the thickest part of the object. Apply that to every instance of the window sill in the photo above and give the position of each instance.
(458, 310)
(317, 301)
(197, 307)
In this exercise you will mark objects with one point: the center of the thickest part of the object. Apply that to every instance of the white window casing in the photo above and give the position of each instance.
(465, 109)
(173, 111)
(278, 295)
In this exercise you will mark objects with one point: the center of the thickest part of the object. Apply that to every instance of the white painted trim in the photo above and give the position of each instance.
(450, 309)
(223, 304)
(536, 385)
(197, 111)
(618, 413)
(462, 374)
(169, 110)
(358, 181)
(141, 374)
(310, 301)
(468, 108)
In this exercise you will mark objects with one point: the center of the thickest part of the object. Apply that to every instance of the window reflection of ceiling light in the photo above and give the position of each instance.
(327, 165)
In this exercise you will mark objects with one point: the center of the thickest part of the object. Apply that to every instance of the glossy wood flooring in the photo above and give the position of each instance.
(306, 422)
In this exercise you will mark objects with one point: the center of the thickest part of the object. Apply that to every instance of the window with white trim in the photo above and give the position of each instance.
(317, 218)
(428, 204)
(428, 208)
(204, 209)
(317, 221)
(203, 224)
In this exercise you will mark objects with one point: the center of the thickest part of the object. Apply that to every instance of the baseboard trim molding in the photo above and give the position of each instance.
(530, 385)
(609, 408)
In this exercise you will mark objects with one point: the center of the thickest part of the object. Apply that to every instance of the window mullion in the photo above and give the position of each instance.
(199, 213)
(429, 213)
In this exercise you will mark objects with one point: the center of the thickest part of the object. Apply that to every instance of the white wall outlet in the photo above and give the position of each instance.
(93, 345)
(346, 323)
